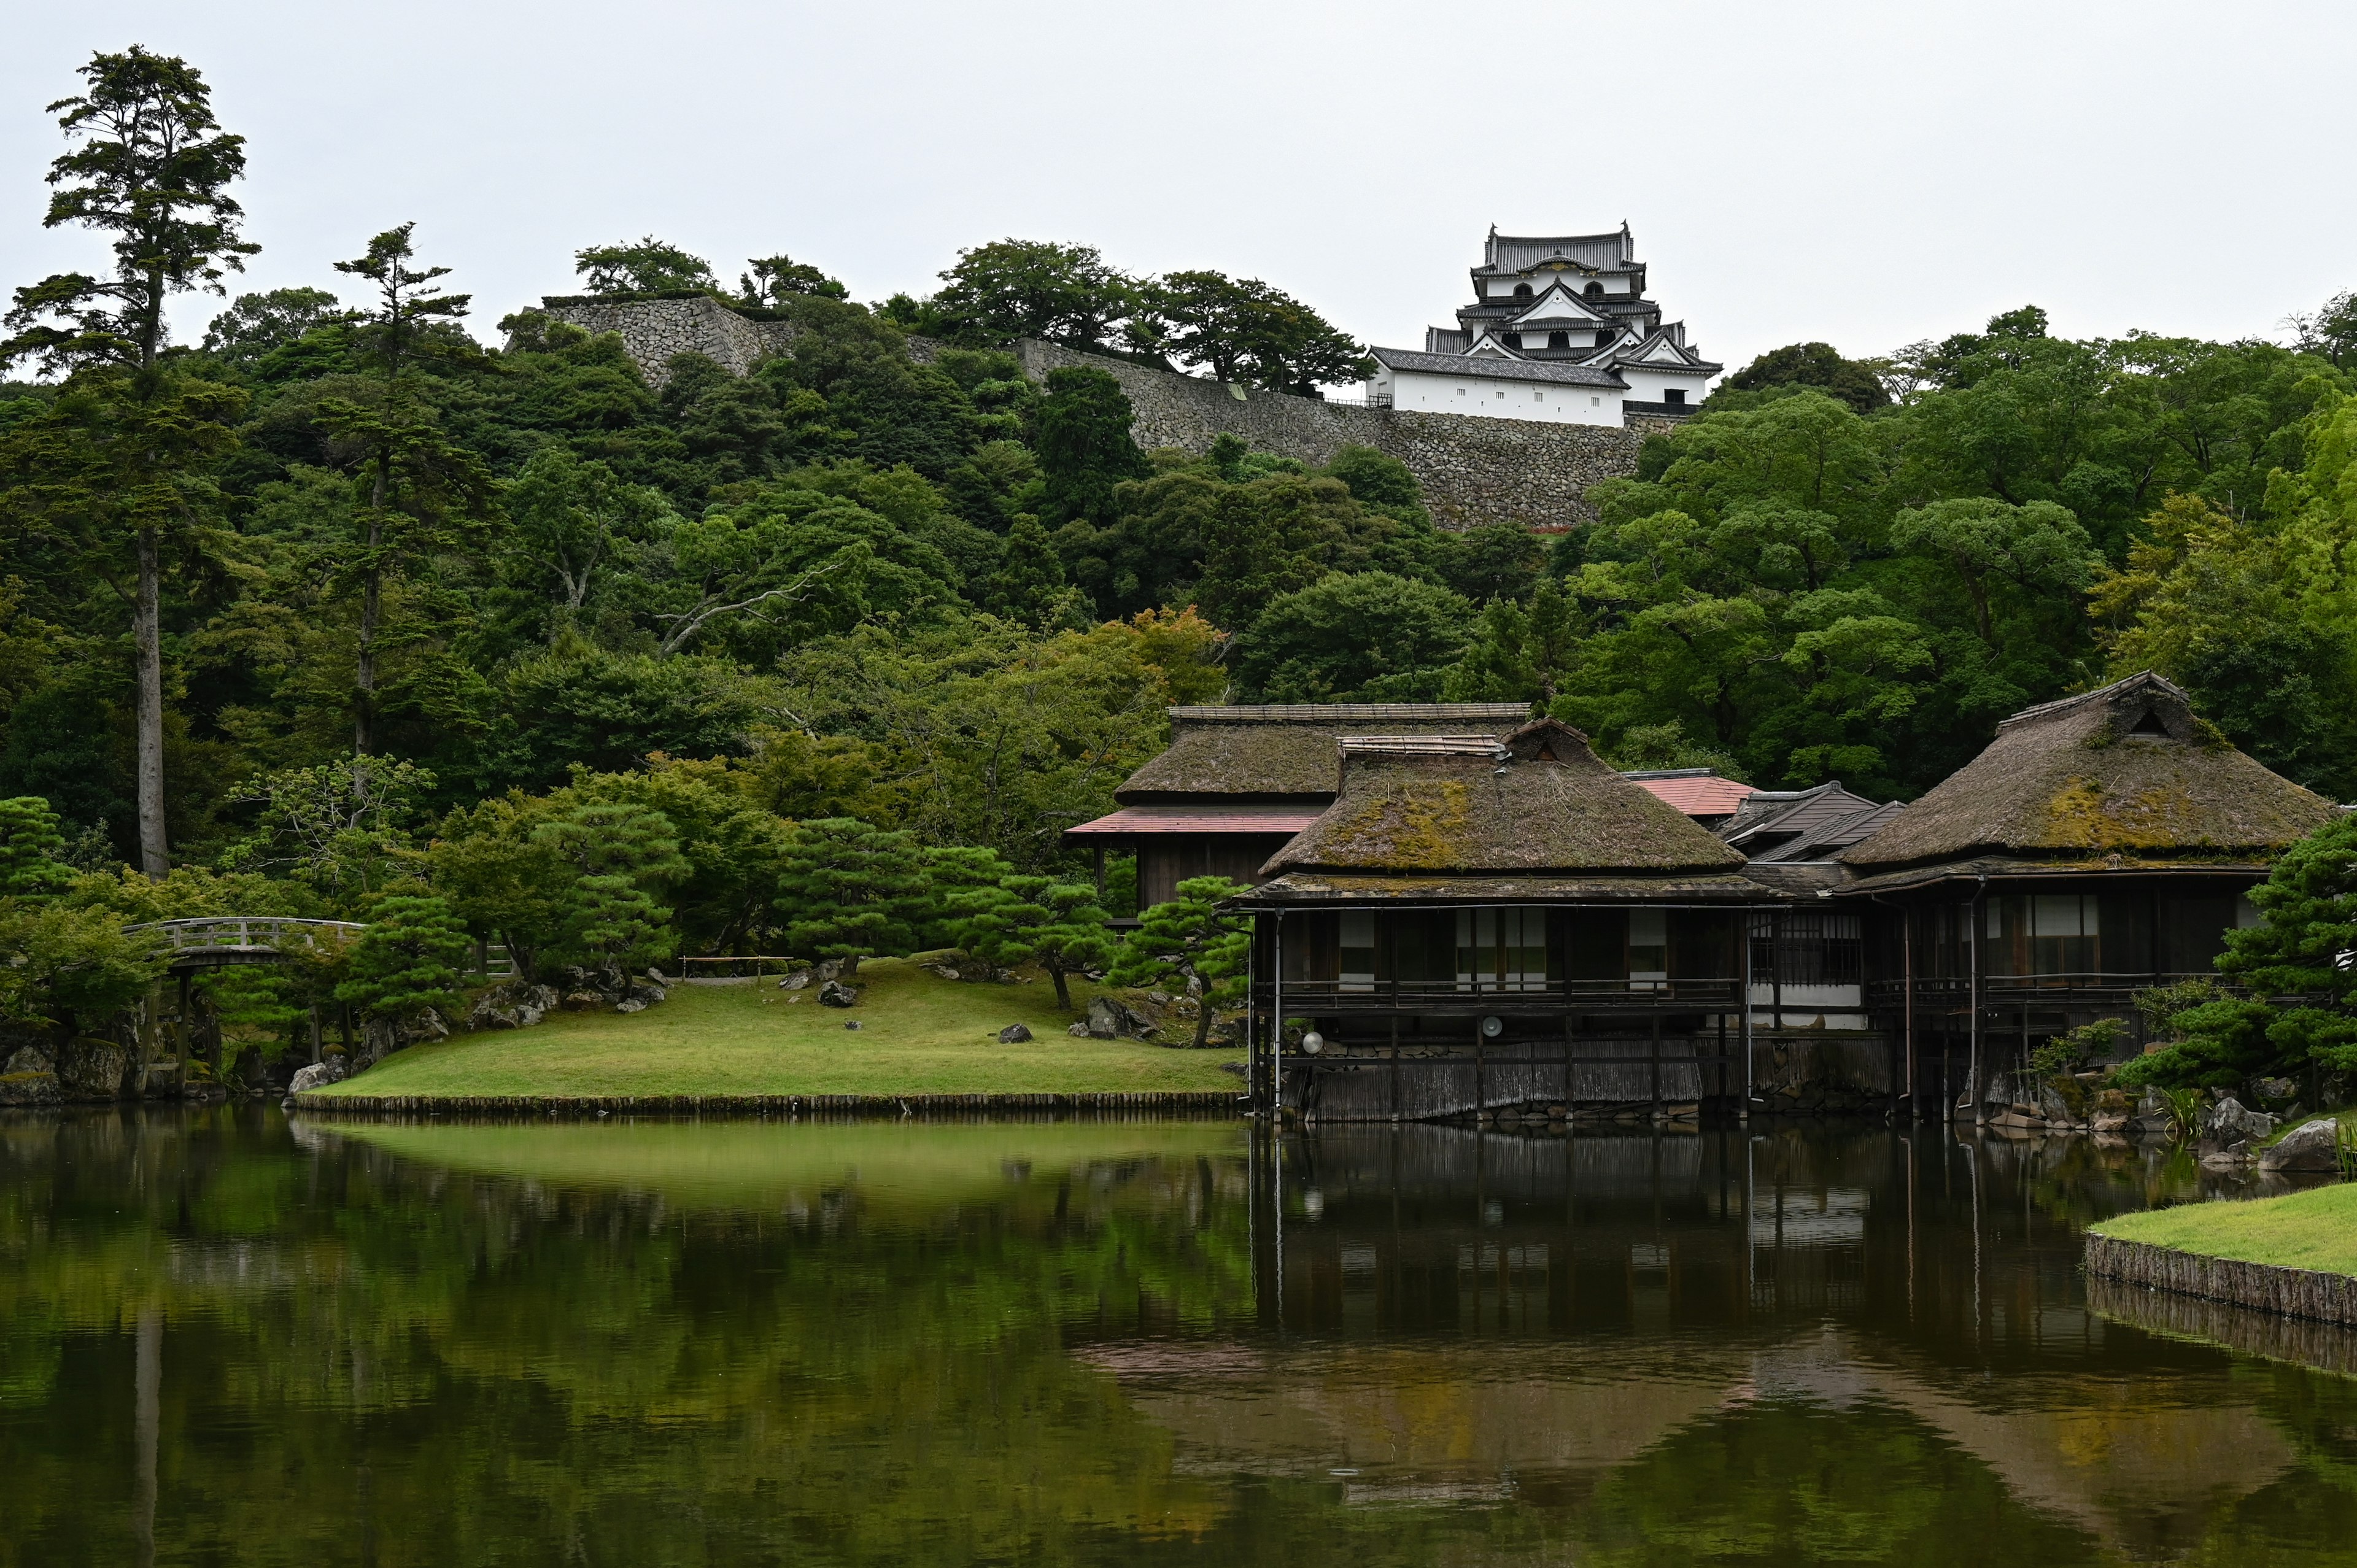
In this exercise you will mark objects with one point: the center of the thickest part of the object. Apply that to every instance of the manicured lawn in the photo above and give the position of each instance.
(2313, 1230)
(918, 1035)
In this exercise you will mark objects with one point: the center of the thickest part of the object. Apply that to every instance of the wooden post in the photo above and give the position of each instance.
(1396, 1059)
(1973, 1060)
(1657, 1065)
(314, 1034)
(1743, 1114)
(1481, 1090)
(183, 1025)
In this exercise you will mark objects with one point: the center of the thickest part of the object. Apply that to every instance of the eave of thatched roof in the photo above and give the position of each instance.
(1538, 802)
(1288, 751)
(1996, 869)
(1312, 888)
(2126, 769)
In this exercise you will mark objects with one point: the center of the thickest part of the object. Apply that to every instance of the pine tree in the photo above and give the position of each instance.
(421, 491)
(1191, 941)
(623, 853)
(124, 459)
(851, 891)
(32, 850)
(407, 961)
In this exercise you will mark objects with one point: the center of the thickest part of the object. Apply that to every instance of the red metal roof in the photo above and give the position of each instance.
(1140, 820)
(1705, 794)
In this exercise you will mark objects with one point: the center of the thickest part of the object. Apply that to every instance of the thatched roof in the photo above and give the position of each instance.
(2126, 771)
(1283, 751)
(1539, 801)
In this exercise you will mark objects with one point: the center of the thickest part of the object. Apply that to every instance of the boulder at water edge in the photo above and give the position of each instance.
(2311, 1148)
(317, 1076)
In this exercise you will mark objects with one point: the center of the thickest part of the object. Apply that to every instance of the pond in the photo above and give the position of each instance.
(225, 1338)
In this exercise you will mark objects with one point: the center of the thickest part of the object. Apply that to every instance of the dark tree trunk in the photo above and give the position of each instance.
(148, 638)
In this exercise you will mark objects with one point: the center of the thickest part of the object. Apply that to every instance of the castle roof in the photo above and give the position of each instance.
(1280, 750)
(1521, 253)
(1499, 368)
(2126, 771)
(1538, 802)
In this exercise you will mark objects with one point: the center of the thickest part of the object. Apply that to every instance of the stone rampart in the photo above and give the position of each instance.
(1473, 470)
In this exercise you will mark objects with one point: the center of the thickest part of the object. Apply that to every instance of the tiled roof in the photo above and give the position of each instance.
(1698, 792)
(1519, 253)
(1554, 371)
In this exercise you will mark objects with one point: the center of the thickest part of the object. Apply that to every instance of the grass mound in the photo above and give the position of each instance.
(2315, 1229)
(918, 1035)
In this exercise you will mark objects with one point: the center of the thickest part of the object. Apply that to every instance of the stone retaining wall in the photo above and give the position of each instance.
(2262, 1287)
(1473, 470)
(920, 1107)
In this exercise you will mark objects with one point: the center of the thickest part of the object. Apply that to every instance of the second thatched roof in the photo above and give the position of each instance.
(1537, 801)
(1286, 751)
(2128, 770)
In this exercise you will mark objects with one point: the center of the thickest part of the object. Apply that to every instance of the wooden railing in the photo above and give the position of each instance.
(1684, 991)
(236, 936)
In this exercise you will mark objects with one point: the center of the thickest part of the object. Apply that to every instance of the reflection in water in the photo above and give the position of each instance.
(225, 1339)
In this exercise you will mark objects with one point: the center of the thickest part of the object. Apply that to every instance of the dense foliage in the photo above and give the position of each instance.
(336, 605)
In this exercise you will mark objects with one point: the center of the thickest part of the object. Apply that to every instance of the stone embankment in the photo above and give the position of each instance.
(1474, 471)
(917, 1106)
(2261, 1287)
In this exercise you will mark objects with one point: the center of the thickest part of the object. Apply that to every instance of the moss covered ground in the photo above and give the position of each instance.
(918, 1035)
(2314, 1230)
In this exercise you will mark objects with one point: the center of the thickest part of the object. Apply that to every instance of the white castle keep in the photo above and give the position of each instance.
(1559, 331)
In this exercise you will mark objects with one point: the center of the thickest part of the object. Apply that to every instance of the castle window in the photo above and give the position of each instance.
(1522, 291)
(1595, 291)
(1558, 339)
(1513, 340)
(1675, 397)
(1602, 339)
(1538, 397)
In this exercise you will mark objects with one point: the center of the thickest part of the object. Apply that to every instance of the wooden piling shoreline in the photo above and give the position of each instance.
(846, 1106)
(2261, 1287)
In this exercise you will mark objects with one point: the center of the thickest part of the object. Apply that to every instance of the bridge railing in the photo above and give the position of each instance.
(245, 933)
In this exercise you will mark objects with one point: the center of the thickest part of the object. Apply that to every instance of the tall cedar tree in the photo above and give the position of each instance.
(1190, 941)
(424, 491)
(153, 168)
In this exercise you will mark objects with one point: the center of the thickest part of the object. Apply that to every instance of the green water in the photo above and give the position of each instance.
(227, 1340)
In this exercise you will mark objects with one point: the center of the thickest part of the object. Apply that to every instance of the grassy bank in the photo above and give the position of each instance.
(918, 1035)
(2315, 1229)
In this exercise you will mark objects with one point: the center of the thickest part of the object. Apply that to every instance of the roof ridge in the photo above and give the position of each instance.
(2060, 704)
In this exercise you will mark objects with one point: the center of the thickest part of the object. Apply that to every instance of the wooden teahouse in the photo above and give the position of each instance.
(2099, 845)
(1477, 921)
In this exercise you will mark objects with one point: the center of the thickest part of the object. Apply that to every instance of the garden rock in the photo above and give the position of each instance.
(94, 1069)
(2277, 1089)
(2312, 1148)
(318, 1075)
(632, 1006)
(513, 1005)
(1078, 1031)
(1014, 1035)
(1108, 1020)
(854, 1023)
(835, 994)
(2227, 1123)
(795, 980)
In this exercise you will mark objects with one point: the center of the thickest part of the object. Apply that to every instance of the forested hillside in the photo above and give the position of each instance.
(400, 601)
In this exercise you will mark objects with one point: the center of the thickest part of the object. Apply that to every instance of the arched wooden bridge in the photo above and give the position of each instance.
(216, 941)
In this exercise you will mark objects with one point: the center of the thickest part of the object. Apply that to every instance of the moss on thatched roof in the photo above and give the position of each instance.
(1696, 888)
(1288, 751)
(1538, 801)
(2128, 770)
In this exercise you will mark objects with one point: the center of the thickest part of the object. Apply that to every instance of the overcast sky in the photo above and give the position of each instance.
(1863, 174)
